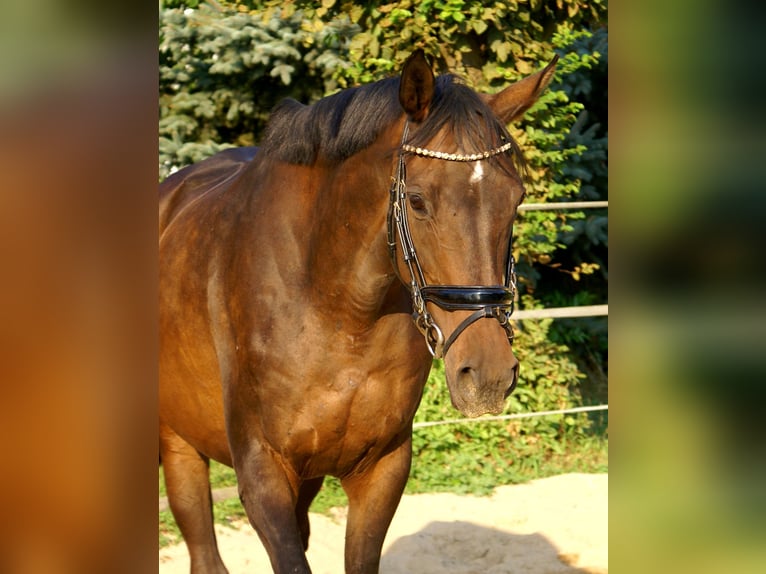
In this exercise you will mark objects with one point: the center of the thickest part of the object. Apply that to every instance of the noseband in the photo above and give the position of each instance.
(490, 301)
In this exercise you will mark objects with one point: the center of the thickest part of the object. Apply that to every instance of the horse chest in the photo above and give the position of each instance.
(352, 418)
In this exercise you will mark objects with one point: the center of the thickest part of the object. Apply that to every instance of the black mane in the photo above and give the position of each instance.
(338, 126)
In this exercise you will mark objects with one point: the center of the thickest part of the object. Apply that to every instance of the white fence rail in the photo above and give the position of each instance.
(562, 312)
(562, 205)
(511, 417)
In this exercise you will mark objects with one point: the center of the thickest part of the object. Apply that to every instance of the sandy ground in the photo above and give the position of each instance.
(555, 525)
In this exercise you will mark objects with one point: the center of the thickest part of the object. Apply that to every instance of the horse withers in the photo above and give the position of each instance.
(305, 287)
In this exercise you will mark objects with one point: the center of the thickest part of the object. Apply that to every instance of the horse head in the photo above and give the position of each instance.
(453, 202)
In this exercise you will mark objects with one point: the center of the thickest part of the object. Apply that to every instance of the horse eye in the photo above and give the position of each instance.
(417, 202)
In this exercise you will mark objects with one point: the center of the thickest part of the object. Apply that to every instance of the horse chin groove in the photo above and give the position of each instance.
(473, 410)
(473, 400)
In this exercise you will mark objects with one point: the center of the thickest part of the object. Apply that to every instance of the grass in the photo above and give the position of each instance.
(588, 455)
(224, 511)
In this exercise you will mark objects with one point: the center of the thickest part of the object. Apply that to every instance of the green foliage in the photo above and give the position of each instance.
(224, 512)
(576, 271)
(169, 533)
(179, 3)
(486, 43)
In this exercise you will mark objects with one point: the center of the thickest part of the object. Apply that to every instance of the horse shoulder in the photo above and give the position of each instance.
(192, 182)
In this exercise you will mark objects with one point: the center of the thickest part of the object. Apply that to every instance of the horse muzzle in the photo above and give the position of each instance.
(480, 378)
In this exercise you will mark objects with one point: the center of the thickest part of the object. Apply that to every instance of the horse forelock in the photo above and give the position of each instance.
(341, 125)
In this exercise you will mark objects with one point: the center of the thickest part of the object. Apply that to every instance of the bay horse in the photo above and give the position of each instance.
(305, 287)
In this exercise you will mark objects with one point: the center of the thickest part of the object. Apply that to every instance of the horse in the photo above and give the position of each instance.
(307, 284)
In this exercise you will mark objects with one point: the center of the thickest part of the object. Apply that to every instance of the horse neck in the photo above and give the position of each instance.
(351, 267)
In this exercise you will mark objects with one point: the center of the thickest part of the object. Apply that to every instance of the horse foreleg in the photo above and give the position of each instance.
(269, 493)
(306, 495)
(188, 485)
(372, 498)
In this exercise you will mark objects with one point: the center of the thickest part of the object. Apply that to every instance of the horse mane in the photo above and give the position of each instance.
(338, 126)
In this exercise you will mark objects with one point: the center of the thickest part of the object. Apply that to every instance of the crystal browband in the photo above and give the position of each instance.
(456, 156)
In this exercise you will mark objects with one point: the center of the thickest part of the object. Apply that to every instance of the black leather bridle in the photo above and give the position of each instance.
(486, 301)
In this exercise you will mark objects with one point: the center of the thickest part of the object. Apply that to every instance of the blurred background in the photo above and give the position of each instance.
(688, 384)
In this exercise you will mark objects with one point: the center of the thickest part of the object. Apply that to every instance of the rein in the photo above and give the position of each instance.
(486, 301)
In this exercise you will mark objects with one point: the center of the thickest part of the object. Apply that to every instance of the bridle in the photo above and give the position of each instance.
(486, 301)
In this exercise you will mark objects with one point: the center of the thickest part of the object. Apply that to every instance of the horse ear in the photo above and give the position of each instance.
(416, 88)
(513, 101)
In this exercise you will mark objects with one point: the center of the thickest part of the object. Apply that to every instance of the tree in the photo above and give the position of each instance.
(222, 70)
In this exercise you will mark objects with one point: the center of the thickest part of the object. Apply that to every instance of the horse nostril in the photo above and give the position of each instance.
(469, 378)
(514, 380)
